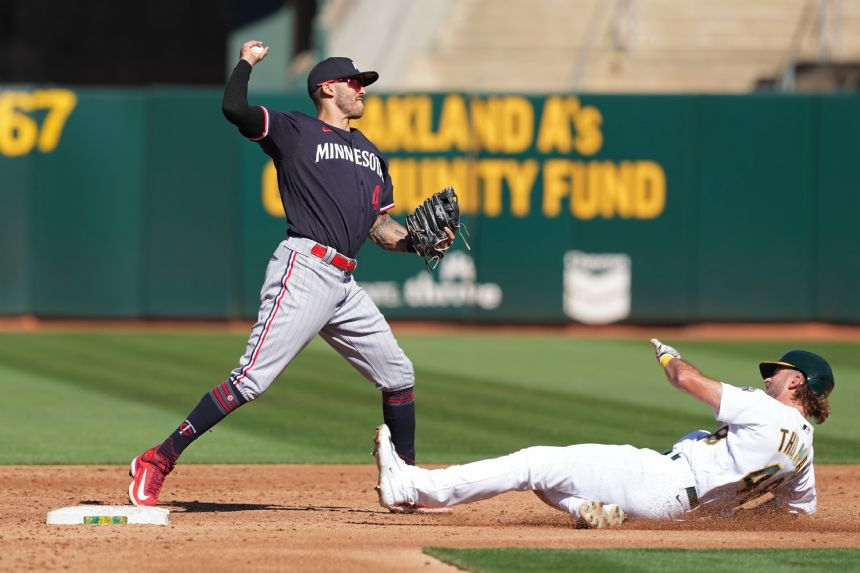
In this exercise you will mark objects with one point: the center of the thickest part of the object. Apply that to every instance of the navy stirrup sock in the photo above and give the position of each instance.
(212, 408)
(398, 411)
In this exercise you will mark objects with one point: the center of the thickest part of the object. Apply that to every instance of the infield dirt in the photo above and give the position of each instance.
(326, 518)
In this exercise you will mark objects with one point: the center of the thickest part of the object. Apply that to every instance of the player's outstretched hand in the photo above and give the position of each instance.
(253, 51)
(664, 352)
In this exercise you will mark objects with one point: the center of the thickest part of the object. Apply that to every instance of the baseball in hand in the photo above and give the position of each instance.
(256, 50)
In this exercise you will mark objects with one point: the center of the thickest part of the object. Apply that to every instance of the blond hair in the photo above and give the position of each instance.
(817, 407)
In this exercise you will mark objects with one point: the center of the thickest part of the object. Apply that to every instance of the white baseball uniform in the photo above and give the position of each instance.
(763, 446)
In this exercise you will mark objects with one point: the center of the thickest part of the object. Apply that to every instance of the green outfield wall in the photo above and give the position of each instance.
(592, 209)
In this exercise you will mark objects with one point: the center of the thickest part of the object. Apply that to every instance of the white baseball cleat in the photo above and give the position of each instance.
(595, 515)
(592, 516)
(390, 465)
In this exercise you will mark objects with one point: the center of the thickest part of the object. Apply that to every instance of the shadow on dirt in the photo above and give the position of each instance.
(212, 507)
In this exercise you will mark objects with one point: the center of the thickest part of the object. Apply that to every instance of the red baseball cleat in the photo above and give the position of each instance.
(148, 471)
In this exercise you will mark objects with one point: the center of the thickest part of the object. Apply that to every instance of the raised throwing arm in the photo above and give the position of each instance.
(234, 105)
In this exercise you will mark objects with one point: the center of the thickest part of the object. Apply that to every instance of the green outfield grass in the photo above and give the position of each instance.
(95, 397)
(650, 560)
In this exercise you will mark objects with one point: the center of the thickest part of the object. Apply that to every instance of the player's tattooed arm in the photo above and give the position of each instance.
(389, 234)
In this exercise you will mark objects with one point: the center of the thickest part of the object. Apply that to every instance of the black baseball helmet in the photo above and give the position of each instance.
(817, 371)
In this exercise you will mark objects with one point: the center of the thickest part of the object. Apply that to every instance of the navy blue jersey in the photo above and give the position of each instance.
(333, 183)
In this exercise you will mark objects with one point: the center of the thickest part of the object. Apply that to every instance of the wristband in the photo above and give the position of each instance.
(665, 358)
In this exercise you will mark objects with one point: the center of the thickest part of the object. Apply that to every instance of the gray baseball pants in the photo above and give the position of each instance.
(304, 295)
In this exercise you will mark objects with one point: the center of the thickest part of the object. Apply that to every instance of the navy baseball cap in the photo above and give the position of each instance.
(336, 68)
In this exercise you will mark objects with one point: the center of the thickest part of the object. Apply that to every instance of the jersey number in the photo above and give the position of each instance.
(757, 483)
(375, 200)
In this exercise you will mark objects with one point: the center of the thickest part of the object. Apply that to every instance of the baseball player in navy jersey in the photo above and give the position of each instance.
(336, 192)
(763, 447)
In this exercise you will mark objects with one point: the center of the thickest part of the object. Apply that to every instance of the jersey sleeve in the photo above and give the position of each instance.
(386, 196)
(799, 495)
(234, 104)
(280, 134)
(743, 405)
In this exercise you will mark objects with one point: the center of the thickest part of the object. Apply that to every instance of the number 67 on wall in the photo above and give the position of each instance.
(20, 132)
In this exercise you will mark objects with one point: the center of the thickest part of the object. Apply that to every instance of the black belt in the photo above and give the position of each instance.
(692, 494)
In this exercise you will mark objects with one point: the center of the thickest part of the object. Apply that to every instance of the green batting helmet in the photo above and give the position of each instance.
(817, 371)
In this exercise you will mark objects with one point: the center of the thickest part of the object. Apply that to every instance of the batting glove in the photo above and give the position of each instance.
(665, 353)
